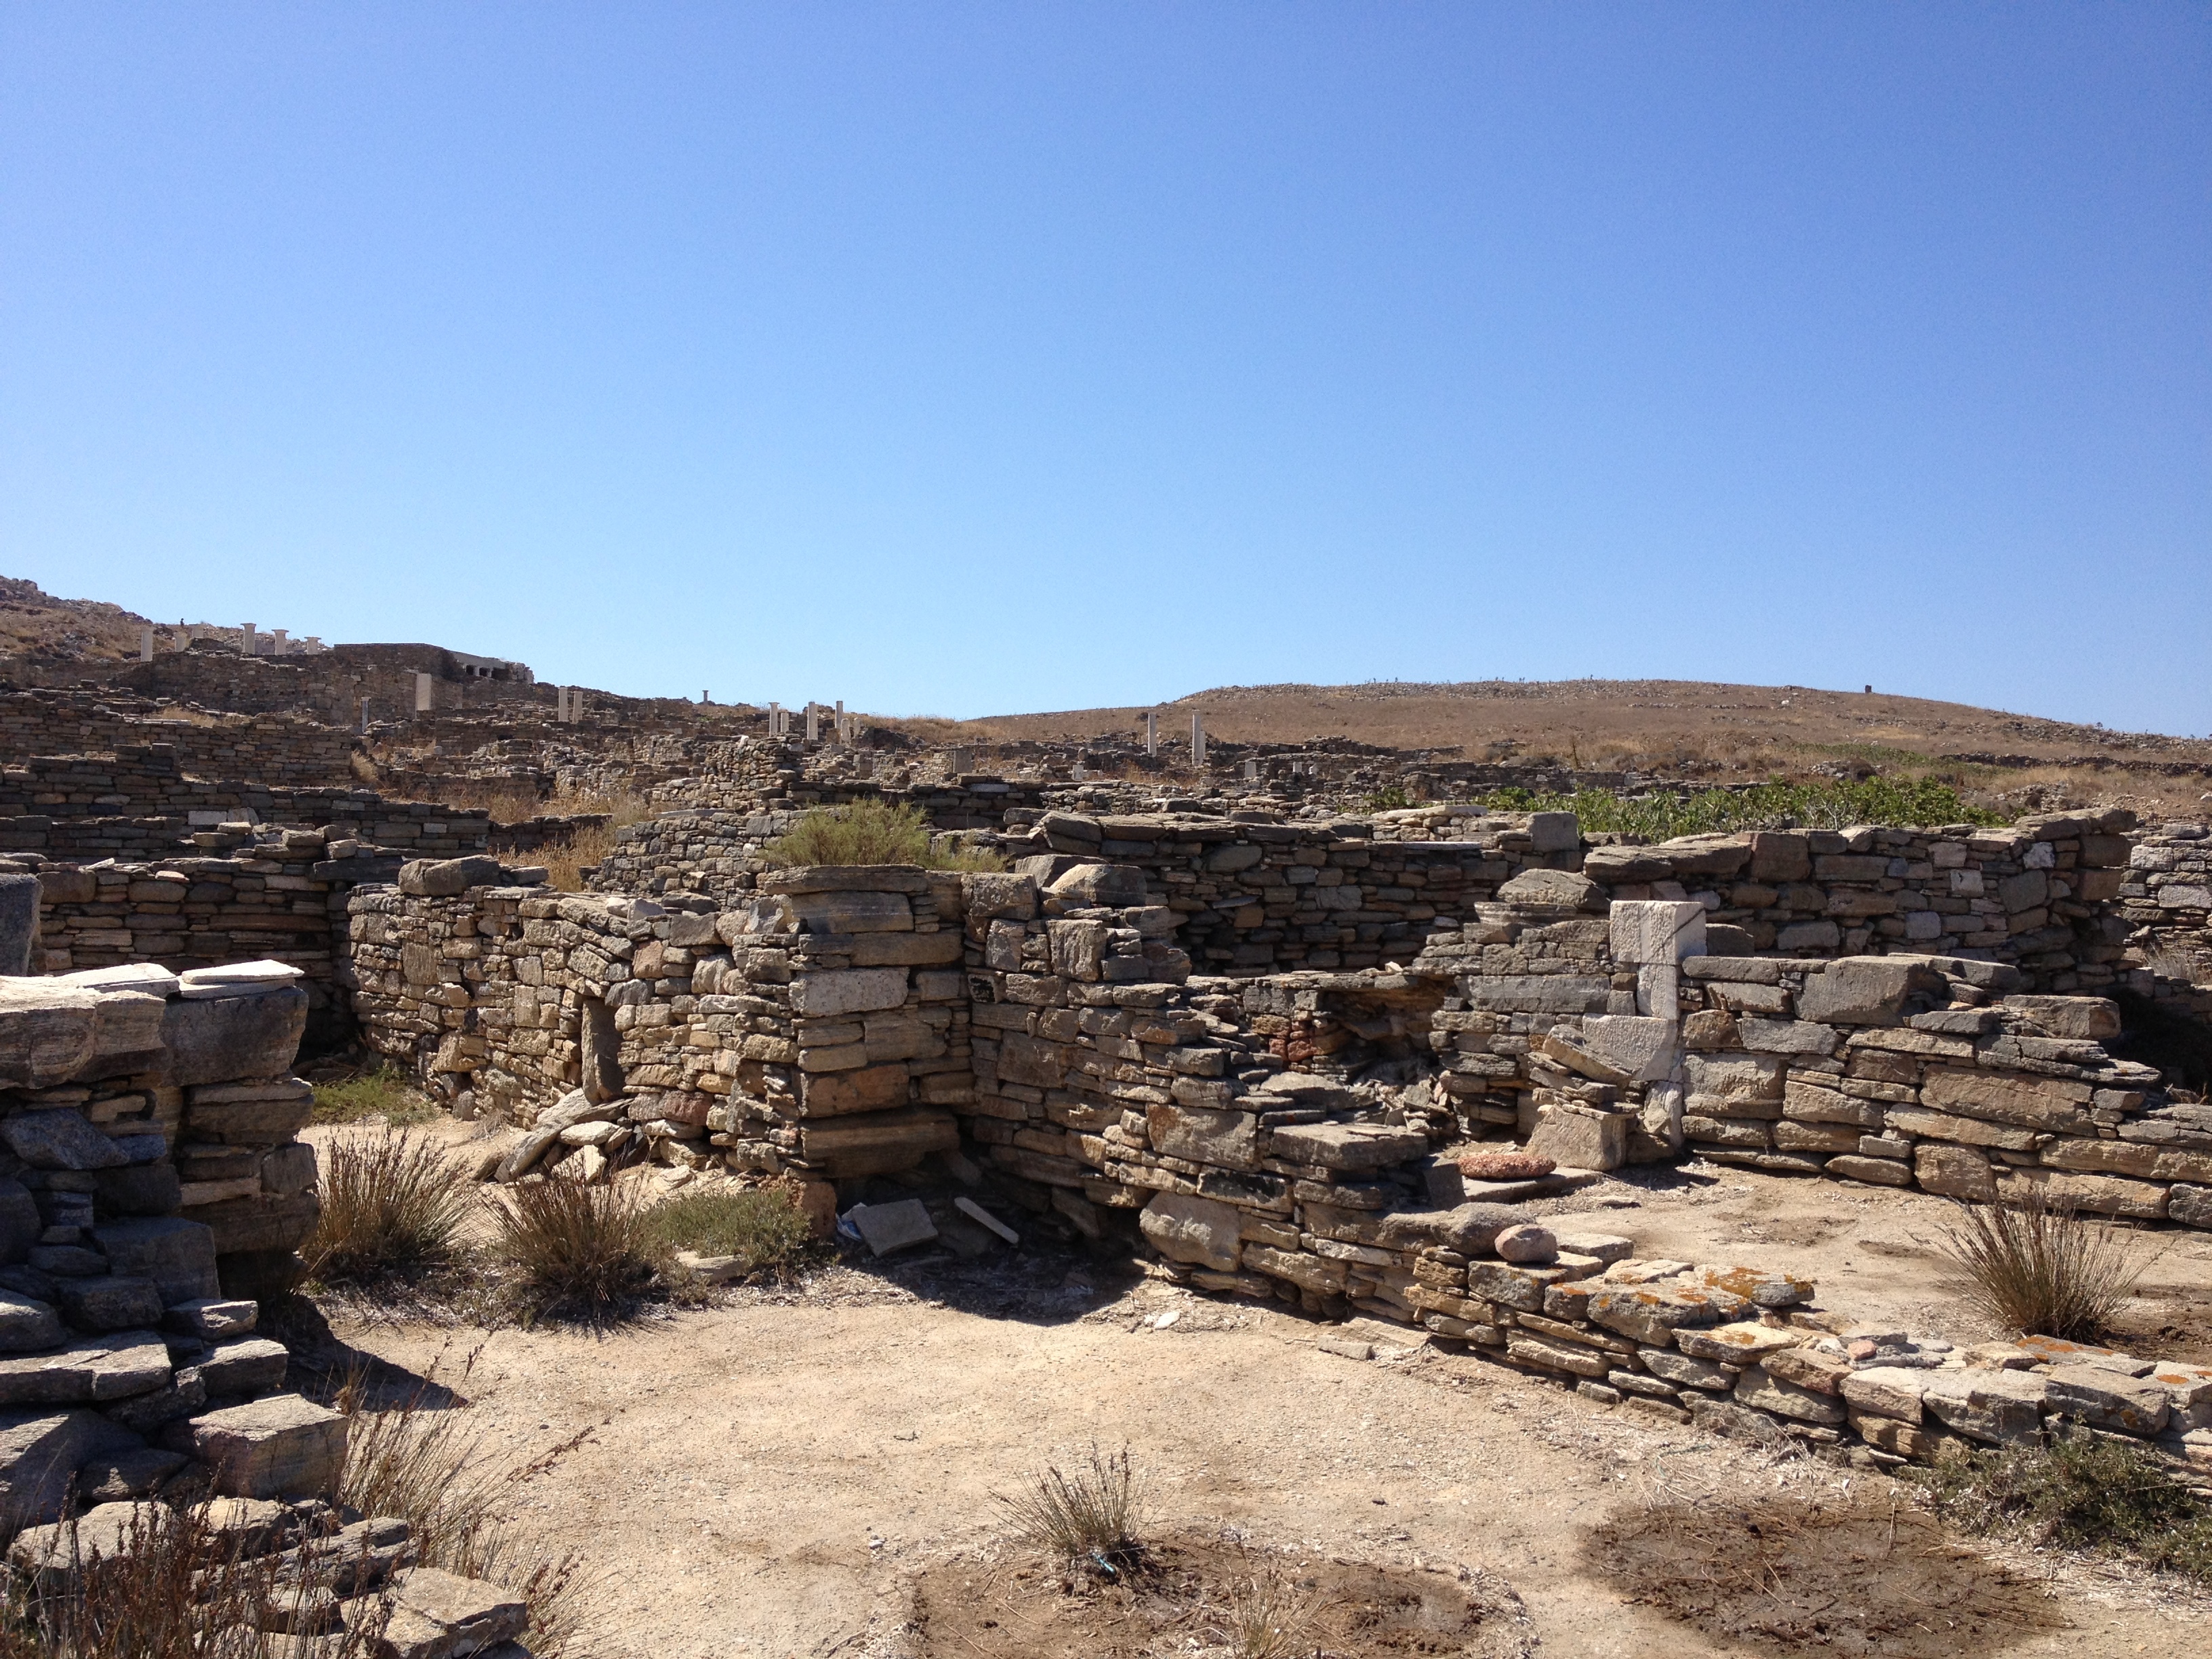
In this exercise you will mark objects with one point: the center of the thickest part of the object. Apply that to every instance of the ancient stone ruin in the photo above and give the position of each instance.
(1284, 1049)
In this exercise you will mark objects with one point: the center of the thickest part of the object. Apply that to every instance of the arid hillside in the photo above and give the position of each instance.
(36, 625)
(1675, 726)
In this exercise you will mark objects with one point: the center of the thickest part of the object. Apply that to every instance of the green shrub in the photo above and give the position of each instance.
(384, 1090)
(873, 832)
(392, 1208)
(1897, 802)
(2081, 1492)
(1387, 799)
(574, 1250)
(2040, 1270)
(763, 1227)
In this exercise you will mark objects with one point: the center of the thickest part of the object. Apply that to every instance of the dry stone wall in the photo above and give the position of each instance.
(820, 1031)
(150, 1188)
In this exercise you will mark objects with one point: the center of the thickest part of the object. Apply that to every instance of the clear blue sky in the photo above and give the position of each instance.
(965, 358)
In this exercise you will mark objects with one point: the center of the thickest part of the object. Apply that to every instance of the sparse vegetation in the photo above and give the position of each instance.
(1774, 805)
(384, 1091)
(1087, 1517)
(173, 1590)
(2039, 1269)
(568, 860)
(1268, 1617)
(574, 1250)
(429, 1464)
(2081, 1492)
(393, 1204)
(763, 1226)
(871, 832)
(1388, 799)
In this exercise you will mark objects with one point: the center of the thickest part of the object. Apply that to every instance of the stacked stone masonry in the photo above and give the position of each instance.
(150, 1189)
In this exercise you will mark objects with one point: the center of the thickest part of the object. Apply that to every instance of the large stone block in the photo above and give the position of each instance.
(1868, 990)
(59, 1140)
(1953, 1172)
(1358, 1146)
(1552, 890)
(850, 991)
(1114, 886)
(105, 1303)
(281, 1447)
(2000, 1407)
(19, 922)
(870, 1089)
(1229, 1139)
(447, 877)
(47, 1031)
(40, 1453)
(1579, 1137)
(1652, 1313)
(1197, 1231)
(1643, 1048)
(222, 1039)
(27, 1325)
(2045, 1103)
(1538, 993)
(852, 913)
(265, 1223)
(126, 1034)
(1657, 930)
(177, 1255)
(876, 1143)
(991, 897)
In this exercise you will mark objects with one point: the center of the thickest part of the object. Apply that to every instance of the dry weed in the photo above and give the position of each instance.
(393, 1207)
(1087, 1517)
(2039, 1269)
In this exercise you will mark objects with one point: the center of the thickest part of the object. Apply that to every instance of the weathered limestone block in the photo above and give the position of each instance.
(1581, 1138)
(876, 1143)
(435, 1614)
(1346, 1145)
(1868, 990)
(447, 877)
(2046, 1103)
(26, 1325)
(1113, 886)
(1762, 1390)
(280, 1447)
(222, 1039)
(59, 1140)
(1196, 1230)
(2001, 1407)
(177, 1255)
(1953, 1172)
(858, 990)
(993, 896)
(1650, 1314)
(47, 1031)
(1229, 1139)
(1891, 1391)
(1657, 930)
(1559, 889)
(40, 1453)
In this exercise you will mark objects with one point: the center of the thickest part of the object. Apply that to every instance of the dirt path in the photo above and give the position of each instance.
(761, 1476)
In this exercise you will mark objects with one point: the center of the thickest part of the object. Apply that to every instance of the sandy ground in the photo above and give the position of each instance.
(764, 1477)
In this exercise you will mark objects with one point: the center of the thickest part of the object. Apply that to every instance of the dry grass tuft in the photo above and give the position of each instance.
(393, 1207)
(427, 1463)
(574, 1250)
(2040, 1270)
(173, 1590)
(1268, 1617)
(1086, 1517)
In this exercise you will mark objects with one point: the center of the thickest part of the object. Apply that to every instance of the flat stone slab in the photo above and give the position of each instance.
(281, 1447)
(26, 1326)
(97, 1369)
(888, 1227)
(437, 1614)
(58, 1551)
(238, 979)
